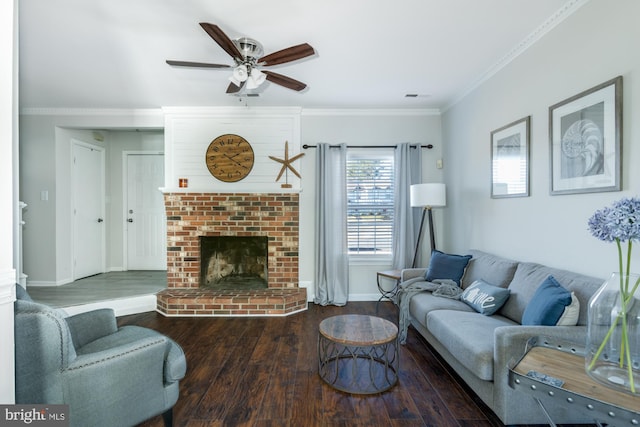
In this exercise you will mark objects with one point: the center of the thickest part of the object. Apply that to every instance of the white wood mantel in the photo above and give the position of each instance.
(190, 130)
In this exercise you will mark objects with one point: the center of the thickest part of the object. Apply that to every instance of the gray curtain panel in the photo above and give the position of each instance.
(332, 257)
(406, 220)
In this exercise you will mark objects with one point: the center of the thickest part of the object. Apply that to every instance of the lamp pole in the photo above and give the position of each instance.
(431, 234)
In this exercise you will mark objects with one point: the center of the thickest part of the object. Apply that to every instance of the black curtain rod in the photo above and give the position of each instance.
(429, 146)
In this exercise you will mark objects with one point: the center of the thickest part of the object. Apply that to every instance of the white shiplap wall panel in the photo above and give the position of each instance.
(189, 131)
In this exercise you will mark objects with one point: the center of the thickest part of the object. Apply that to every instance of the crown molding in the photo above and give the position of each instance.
(231, 111)
(133, 112)
(553, 21)
(371, 112)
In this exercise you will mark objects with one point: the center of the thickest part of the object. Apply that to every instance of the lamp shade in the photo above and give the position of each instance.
(433, 195)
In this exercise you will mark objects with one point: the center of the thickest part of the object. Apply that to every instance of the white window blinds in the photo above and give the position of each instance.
(370, 201)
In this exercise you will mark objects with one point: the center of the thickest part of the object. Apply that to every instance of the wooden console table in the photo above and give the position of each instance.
(565, 361)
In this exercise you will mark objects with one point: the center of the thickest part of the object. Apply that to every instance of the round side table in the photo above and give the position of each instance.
(358, 354)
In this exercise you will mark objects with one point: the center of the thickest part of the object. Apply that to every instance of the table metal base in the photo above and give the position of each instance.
(358, 369)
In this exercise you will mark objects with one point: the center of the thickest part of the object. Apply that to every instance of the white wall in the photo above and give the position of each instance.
(355, 127)
(595, 44)
(8, 136)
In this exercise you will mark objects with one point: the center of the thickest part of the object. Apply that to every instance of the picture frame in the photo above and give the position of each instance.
(585, 137)
(510, 159)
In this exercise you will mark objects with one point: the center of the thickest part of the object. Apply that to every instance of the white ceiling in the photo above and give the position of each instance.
(369, 53)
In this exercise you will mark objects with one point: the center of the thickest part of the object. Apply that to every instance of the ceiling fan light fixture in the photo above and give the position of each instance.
(240, 73)
(256, 78)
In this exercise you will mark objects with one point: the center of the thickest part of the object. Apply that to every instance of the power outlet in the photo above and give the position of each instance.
(439, 163)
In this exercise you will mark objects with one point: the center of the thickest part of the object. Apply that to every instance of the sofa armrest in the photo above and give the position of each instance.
(411, 273)
(510, 341)
(89, 326)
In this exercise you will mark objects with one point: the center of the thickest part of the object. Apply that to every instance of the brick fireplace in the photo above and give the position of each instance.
(193, 215)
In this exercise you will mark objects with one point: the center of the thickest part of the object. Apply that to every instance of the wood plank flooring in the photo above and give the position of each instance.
(262, 372)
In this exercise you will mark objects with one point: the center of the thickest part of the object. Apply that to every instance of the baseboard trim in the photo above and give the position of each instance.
(121, 307)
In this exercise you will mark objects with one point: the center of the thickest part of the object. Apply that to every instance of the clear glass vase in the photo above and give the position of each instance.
(613, 334)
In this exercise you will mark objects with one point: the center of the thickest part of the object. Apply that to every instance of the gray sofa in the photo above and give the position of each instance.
(479, 348)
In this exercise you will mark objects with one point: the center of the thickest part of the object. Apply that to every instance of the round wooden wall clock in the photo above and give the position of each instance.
(229, 158)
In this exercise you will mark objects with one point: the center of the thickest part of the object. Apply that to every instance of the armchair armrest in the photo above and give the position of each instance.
(123, 354)
(89, 326)
(411, 273)
(123, 384)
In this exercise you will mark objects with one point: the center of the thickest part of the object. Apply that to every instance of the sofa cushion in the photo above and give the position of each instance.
(491, 268)
(446, 266)
(547, 305)
(484, 298)
(468, 336)
(421, 304)
(529, 276)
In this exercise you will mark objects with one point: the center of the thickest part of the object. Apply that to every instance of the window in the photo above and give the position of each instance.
(370, 202)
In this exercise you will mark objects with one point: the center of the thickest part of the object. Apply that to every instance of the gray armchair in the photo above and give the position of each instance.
(108, 376)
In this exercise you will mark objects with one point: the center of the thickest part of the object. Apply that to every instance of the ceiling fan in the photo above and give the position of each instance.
(248, 59)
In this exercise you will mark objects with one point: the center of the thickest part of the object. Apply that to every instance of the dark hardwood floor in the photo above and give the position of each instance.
(263, 372)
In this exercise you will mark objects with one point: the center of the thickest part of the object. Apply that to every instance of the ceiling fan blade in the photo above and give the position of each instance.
(222, 39)
(289, 54)
(232, 88)
(196, 64)
(285, 81)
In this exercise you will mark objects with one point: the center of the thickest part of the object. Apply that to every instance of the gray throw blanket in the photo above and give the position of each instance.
(440, 287)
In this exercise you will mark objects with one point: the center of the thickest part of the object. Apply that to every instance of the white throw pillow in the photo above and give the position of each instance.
(571, 313)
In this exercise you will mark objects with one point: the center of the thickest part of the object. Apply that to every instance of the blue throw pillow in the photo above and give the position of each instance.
(484, 297)
(446, 266)
(547, 304)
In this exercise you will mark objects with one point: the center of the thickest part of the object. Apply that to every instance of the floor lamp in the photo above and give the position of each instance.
(427, 196)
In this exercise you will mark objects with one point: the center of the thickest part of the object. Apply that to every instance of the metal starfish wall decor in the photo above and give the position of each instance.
(286, 165)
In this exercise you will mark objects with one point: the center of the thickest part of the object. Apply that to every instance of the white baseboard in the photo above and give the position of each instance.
(121, 307)
(38, 283)
(364, 297)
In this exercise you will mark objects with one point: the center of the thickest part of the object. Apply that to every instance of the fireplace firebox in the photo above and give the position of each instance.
(234, 262)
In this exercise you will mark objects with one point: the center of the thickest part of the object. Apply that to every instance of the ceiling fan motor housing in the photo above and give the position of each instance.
(249, 48)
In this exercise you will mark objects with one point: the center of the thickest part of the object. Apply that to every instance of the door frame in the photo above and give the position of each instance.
(103, 238)
(125, 198)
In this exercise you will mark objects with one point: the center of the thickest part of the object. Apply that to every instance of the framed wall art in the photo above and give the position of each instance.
(510, 160)
(585, 136)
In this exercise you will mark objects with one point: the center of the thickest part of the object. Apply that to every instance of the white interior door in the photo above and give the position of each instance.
(146, 236)
(88, 210)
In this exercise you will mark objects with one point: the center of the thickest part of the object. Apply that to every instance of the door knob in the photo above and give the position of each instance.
(100, 220)
(130, 220)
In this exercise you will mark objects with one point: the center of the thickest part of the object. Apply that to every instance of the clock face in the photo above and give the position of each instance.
(229, 158)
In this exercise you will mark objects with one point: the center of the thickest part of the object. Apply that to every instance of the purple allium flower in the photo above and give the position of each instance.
(619, 222)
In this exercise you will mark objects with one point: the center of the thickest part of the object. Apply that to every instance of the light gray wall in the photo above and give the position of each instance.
(45, 155)
(359, 128)
(47, 136)
(595, 44)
